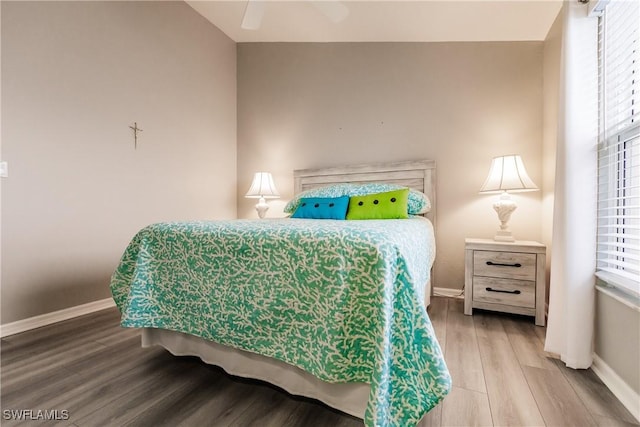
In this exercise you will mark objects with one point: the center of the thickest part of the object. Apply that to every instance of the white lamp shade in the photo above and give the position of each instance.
(507, 173)
(263, 186)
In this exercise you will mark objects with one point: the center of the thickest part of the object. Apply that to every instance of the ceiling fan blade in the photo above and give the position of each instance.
(253, 14)
(336, 11)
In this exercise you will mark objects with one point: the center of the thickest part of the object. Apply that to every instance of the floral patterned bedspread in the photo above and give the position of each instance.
(342, 300)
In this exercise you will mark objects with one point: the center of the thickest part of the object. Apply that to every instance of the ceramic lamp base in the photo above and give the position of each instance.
(262, 207)
(504, 208)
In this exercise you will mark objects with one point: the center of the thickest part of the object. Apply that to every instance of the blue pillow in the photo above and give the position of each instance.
(322, 208)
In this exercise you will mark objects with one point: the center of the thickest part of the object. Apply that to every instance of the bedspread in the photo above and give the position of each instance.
(342, 300)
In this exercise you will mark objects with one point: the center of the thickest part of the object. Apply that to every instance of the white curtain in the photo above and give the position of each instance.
(572, 285)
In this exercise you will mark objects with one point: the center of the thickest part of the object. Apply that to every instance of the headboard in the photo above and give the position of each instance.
(419, 175)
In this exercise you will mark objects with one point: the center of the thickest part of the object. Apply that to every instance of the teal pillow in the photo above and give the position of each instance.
(322, 208)
(418, 203)
(389, 205)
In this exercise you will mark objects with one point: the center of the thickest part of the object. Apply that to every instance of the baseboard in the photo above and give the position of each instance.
(54, 317)
(628, 396)
(448, 292)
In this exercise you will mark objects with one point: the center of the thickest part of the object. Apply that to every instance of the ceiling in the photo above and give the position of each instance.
(391, 21)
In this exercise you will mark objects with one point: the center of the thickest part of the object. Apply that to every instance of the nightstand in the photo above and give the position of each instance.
(505, 276)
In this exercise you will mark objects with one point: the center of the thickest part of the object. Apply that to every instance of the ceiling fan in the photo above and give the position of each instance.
(335, 11)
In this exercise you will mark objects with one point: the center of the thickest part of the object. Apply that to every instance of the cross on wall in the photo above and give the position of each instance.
(135, 129)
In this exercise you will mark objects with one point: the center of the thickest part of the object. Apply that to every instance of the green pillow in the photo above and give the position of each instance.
(388, 205)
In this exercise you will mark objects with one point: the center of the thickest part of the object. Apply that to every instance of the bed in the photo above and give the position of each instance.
(331, 310)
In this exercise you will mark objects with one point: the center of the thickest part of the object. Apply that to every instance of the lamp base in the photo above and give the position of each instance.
(504, 207)
(504, 236)
(262, 207)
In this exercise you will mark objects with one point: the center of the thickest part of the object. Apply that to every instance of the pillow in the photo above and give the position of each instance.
(389, 205)
(418, 203)
(322, 208)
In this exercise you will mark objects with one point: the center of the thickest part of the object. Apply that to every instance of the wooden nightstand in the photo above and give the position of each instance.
(507, 277)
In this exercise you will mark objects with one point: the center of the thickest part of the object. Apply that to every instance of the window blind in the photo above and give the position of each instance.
(618, 234)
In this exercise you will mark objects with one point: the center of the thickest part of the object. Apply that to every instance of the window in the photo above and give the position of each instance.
(618, 239)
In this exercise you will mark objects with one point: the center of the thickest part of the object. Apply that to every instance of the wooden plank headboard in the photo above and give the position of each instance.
(419, 175)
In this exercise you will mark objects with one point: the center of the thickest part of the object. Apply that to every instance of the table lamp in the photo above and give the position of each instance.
(262, 188)
(507, 175)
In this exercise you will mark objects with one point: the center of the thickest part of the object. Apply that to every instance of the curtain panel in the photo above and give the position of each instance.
(572, 283)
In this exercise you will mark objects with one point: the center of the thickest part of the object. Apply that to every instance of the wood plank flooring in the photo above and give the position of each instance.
(98, 372)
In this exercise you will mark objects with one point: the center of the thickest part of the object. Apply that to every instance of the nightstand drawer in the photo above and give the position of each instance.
(507, 265)
(519, 293)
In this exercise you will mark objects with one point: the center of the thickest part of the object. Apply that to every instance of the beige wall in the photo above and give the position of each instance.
(304, 105)
(617, 338)
(550, 88)
(75, 75)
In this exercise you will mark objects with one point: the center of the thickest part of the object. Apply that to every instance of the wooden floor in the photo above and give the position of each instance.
(99, 374)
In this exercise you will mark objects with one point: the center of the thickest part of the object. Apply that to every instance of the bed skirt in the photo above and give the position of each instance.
(350, 398)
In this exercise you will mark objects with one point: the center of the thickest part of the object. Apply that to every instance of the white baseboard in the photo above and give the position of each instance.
(628, 396)
(448, 292)
(54, 317)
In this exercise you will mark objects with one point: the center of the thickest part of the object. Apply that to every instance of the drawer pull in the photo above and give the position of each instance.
(516, 292)
(504, 265)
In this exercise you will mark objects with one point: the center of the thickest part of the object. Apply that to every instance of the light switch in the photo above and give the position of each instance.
(4, 169)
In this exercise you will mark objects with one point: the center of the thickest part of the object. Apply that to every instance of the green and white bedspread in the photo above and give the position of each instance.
(342, 300)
